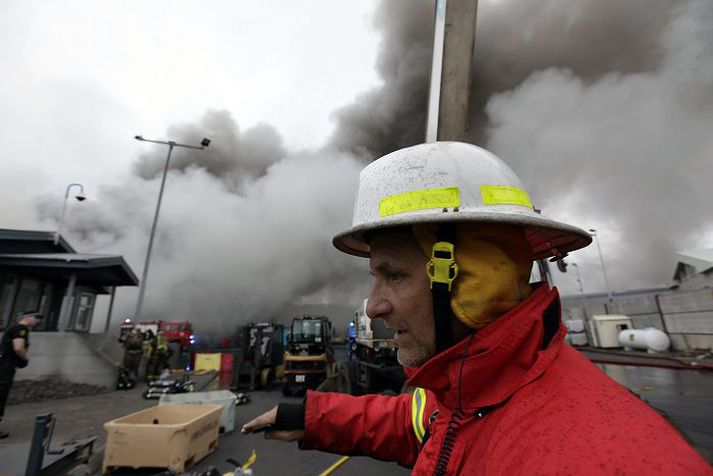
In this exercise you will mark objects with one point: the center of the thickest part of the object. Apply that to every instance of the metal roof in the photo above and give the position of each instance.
(91, 269)
(700, 259)
(31, 241)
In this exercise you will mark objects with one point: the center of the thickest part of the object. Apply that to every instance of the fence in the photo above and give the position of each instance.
(687, 316)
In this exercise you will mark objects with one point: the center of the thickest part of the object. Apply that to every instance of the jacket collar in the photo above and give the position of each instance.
(500, 358)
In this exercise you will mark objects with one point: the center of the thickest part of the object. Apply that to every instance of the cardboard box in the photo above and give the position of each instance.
(168, 436)
(225, 398)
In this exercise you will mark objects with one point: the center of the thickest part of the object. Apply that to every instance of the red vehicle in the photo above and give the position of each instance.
(175, 331)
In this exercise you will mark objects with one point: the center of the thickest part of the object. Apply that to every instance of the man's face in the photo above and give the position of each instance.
(31, 321)
(401, 295)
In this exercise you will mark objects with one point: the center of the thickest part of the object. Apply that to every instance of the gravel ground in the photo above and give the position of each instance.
(29, 391)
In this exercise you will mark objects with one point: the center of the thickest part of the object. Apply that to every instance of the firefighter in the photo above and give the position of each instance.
(451, 236)
(14, 355)
(158, 357)
(133, 352)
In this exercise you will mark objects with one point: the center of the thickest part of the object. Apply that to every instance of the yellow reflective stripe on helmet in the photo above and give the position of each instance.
(418, 407)
(447, 197)
(501, 195)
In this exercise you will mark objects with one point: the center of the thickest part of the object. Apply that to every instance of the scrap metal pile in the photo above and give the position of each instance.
(169, 385)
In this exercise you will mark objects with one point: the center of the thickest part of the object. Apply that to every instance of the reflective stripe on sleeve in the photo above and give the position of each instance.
(418, 407)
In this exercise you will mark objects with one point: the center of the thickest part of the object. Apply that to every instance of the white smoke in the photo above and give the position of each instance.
(604, 110)
(225, 256)
(629, 154)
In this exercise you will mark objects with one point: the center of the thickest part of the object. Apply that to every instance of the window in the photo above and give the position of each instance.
(85, 306)
(7, 292)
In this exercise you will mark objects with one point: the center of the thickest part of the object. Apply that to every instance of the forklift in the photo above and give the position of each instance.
(261, 349)
(309, 356)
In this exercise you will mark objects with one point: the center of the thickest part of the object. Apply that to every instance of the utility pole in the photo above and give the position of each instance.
(593, 233)
(453, 46)
(144, 276)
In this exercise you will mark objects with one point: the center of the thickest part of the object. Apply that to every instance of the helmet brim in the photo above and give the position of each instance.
(547, 237)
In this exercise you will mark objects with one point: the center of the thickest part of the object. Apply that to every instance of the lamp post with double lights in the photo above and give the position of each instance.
(80, 197)
(171, 144)
(593, 233)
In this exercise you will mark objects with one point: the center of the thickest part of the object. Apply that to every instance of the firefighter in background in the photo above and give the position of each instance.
(147, 350)
(133, 352)
(158, 357)
(149, 343)
(14, 347)
(451, 236)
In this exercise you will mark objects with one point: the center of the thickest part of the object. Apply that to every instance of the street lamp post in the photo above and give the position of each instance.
(80, 197)
(581, 287)
(171, 144)
(593, 232)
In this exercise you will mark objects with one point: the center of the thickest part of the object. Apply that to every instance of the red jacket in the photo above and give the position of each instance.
(530, 405)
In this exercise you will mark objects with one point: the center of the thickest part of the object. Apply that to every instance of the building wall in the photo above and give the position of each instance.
(67, 355)
(702, 280)
(28, 292)
(686, 315)
(25, 292)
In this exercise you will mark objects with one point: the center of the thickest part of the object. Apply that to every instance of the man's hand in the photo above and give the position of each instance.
(269, 418)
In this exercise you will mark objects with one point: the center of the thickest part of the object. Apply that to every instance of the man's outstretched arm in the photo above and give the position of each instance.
(373, 425)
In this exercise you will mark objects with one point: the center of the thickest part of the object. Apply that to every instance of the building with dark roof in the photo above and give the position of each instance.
(39, 271)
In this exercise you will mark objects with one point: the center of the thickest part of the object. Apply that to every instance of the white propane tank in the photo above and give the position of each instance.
(650, 339)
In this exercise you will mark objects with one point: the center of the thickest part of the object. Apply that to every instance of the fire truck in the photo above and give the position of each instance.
(180, 332)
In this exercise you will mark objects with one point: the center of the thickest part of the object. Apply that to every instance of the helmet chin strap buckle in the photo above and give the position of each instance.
(442, 267)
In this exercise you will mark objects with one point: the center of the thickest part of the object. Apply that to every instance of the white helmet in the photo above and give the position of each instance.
(450, 182)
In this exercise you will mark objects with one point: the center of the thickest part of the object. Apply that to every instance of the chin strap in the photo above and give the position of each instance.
(442, 270)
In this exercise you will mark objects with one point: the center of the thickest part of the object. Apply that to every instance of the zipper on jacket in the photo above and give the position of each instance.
(455, 421)
(449, 440)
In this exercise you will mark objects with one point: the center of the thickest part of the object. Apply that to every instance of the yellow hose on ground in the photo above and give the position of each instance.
(250, 460)
(331, 469)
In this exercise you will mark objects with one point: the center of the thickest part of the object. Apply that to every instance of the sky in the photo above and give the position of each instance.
(602, 107)
(83, 78)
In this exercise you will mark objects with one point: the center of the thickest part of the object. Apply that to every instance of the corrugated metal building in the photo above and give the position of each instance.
(684, 310)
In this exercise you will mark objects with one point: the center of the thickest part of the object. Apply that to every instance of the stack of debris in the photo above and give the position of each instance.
(169, 385)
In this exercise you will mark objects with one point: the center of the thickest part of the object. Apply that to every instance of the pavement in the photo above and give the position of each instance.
(671, 360)
(82, 417)
(683, 396)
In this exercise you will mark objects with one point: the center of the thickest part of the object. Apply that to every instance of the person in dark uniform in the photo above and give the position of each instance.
(133, 352)
(13, 355)
(158, 357)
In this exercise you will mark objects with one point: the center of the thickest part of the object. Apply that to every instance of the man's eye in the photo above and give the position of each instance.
(395, 277)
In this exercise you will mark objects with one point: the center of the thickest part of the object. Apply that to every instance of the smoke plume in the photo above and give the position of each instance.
(602, 107)
(235, 155)
(514, 38)
(629, 151)
(225, 255)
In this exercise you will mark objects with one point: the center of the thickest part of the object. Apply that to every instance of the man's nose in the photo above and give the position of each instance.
(377, 305)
